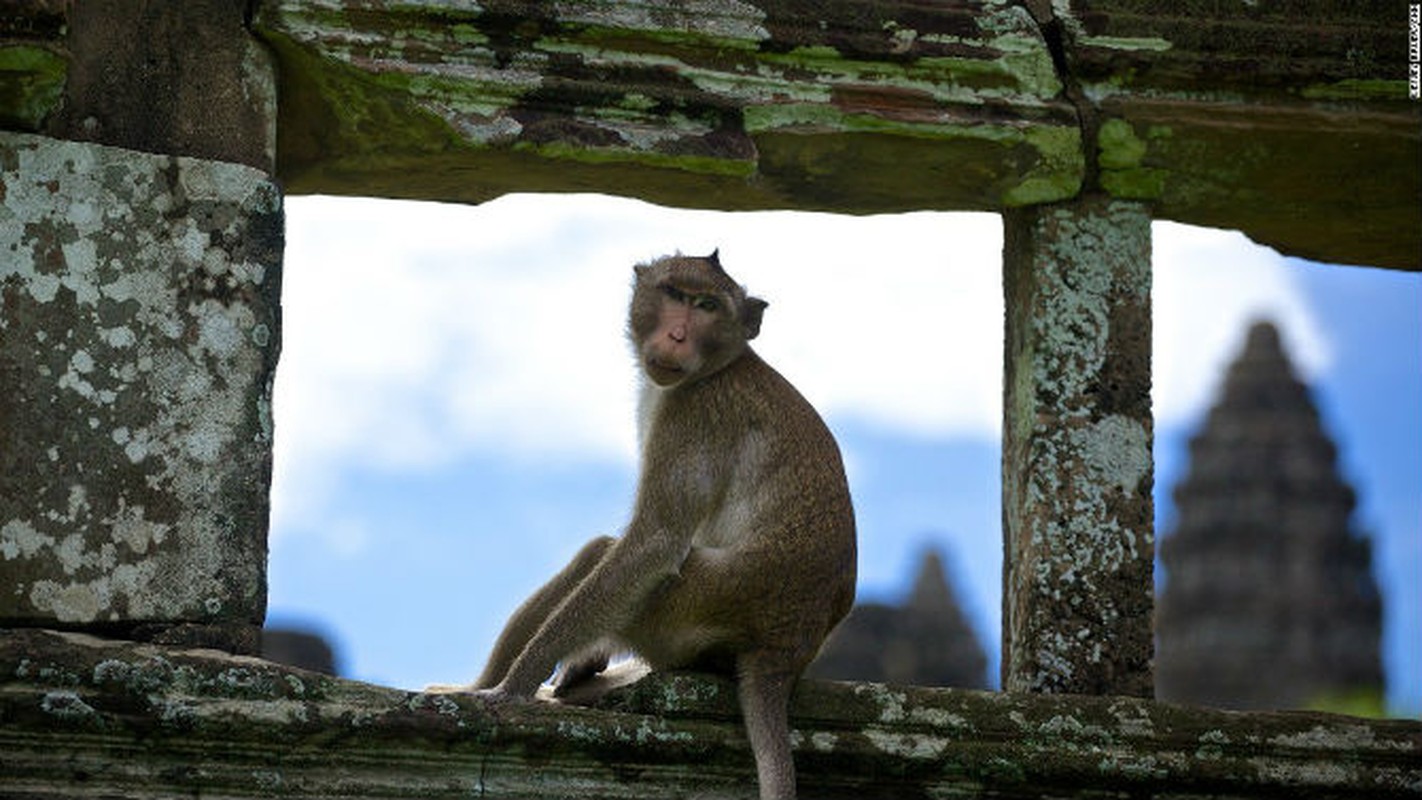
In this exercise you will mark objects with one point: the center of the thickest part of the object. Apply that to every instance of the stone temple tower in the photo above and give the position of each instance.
(927, 641)
(1269, 598)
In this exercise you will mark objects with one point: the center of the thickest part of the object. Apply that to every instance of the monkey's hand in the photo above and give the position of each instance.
(498, 695)
(449, 688)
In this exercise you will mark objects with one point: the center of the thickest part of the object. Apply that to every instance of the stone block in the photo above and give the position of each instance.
(87, 717)
(1078, 519)
(137, 348)
(178, 78)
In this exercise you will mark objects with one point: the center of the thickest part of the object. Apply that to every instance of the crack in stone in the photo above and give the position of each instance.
(1060, 38)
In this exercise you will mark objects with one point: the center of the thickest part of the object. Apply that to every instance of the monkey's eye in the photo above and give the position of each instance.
(706, 303)
(674, 294)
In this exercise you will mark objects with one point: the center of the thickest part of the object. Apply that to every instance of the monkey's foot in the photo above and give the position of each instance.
(590, 691)
(577, 673)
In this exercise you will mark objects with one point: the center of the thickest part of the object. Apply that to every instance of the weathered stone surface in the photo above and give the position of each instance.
(1286, 119)
(1077, 470)
(137, 348)
(712, 103)
(75, 709)
(175, 78)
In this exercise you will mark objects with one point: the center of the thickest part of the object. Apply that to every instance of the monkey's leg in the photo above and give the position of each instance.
(579, 670)
(764, 690)
(530, 616)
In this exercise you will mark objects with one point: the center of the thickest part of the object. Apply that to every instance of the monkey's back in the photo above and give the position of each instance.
(774, 564)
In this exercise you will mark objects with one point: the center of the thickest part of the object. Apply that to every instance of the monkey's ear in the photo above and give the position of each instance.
(715, 258)
(751, 312)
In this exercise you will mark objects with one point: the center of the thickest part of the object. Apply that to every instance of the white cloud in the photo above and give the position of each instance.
(416, 333)
(1209, 286)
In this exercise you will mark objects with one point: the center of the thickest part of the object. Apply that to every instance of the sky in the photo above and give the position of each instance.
(454, 400)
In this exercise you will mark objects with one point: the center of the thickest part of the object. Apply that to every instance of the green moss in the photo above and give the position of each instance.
(1119, 146)
(1023, 67)
(1054, 170)
(1129, 43)
(1121, 155)
(1059, 170)
(816, 53)
(1135, 184)
(31, 85)
(703, 165)
(467, 34)
(1368, 703)
(1037, 190)
(1357, 89)
(655, 41)
(777, 116)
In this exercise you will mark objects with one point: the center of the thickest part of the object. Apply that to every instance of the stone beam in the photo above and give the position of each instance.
(715, 103)
(1077, 470)
(89, 717)
(1286, 119)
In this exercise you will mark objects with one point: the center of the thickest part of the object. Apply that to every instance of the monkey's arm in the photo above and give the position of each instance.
(647, 554)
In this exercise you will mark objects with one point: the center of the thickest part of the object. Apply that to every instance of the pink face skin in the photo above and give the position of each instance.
(676, 349)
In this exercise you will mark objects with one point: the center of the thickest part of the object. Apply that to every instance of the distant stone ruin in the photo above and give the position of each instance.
(299, 647)
(927, 641)
(1269, 598)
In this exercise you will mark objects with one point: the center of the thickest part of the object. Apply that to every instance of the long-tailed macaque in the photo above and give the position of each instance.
(740, 554)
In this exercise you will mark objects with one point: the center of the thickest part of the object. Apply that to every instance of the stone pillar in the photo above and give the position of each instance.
(140, 254)
(1077, 467)
(137, 346)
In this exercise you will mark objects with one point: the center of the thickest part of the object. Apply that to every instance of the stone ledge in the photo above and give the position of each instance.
(99, 717)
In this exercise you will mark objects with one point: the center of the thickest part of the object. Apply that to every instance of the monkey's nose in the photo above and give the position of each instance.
(677, 334)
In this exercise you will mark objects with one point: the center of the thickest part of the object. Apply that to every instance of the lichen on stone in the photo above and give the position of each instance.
(141, 300)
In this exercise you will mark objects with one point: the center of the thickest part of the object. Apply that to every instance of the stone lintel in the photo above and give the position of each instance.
(137, 348)
(1077, 465)
(724, 105)
(1306, 141)
(104, 718)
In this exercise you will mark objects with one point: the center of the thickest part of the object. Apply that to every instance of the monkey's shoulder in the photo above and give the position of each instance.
(763, 390)
(748, 409)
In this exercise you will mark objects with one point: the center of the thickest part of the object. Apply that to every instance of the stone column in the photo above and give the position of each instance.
(140, 254)
(1077, 467)
(137, 347)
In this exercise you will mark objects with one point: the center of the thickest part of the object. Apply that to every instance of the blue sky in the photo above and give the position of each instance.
(454, 401)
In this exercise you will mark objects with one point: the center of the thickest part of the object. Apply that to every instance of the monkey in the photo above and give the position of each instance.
(739, 556)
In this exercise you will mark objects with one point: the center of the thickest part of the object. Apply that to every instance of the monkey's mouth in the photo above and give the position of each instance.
(663, 373)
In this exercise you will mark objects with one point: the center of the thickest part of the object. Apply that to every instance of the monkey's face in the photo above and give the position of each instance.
(688, 319)
(687, 338)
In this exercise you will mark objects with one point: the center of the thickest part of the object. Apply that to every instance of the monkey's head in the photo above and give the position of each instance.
(689, 319)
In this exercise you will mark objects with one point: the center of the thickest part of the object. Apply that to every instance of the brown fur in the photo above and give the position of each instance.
(740, 554)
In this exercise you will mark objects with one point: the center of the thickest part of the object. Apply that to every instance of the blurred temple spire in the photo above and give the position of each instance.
(927, 641)
(300, 647)
(1269, 598)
